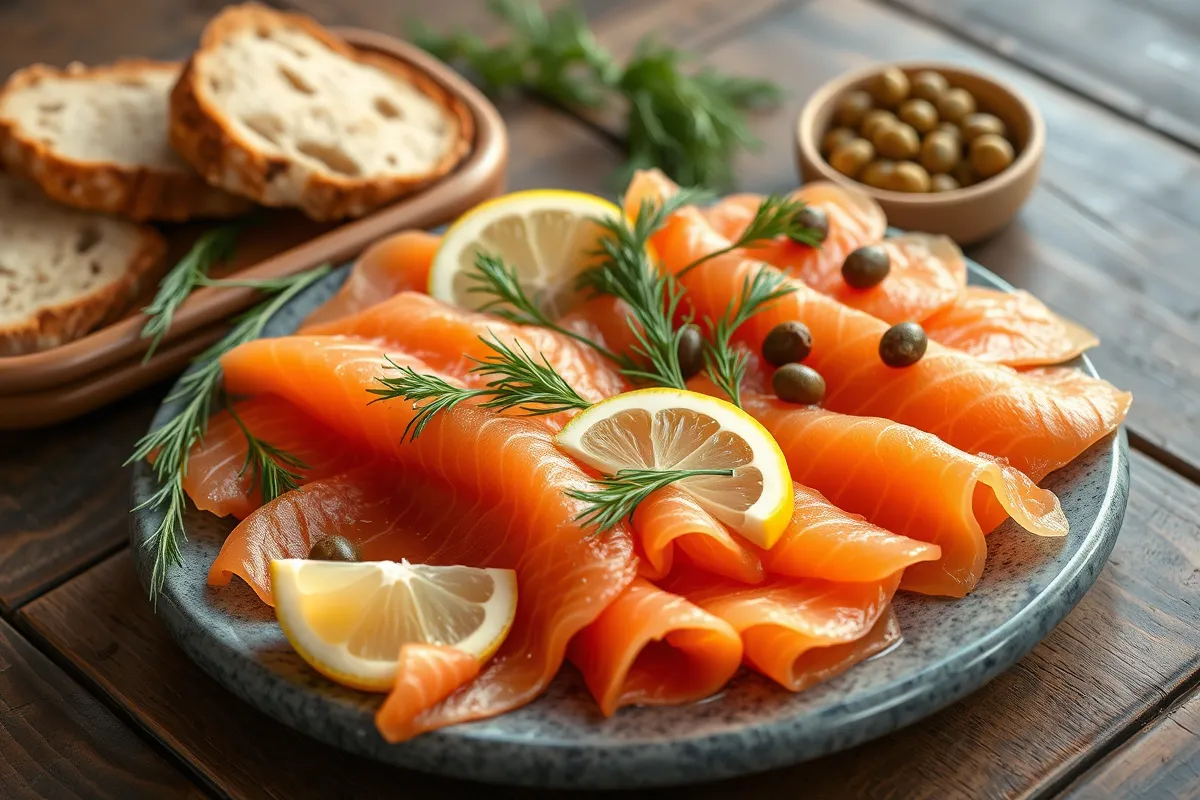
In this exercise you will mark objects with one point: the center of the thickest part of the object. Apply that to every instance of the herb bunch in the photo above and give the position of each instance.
(689, 123)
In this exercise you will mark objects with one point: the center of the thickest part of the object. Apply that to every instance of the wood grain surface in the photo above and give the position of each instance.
(56, 740)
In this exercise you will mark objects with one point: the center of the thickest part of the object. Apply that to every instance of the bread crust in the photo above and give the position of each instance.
(135, 192)
(55, 325)
(201, 134)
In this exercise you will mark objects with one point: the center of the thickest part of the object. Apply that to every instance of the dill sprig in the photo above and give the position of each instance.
(724, 364)
(170, 444)
(519, 381)
(776, 216)
(689, 122)
(653, 297)
(274, 470)
(618, 495)
(213, 247)
(499, 281)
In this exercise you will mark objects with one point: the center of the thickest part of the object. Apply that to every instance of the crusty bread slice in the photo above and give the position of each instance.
(274, 107)
(96, 138)
(62, 271)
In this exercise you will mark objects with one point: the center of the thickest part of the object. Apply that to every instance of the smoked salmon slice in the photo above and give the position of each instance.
(670, 519)
(1013, 328)
(398, 263)
(786, 624)
(654, 648)
(426, 675)
(566, 576)
(216, 479)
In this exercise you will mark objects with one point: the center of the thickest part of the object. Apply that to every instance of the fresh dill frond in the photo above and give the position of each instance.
(776, 215)
(519, 381)
(273, 470)
(725, 364)
(170, 444)
(619, 495)
(210, 249)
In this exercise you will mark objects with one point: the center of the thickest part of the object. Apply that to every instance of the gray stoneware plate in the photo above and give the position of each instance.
(950, 648)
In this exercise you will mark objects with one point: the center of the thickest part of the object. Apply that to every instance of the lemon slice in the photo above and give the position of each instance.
(348, 620)
(547, 236)
(675, 429)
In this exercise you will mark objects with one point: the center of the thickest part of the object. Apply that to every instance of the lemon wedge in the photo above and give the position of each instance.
(675, 429)
(349, 620)
(547, 236)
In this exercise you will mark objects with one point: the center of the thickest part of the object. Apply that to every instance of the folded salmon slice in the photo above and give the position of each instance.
(654, 648)
(670, 519)
(799, 632)
(1013, 328)
(426, 675)
(216, 477)
(448, 339)
(494, 464)
(398, 263)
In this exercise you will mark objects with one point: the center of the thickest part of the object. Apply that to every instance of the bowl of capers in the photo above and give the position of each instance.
(942, 148)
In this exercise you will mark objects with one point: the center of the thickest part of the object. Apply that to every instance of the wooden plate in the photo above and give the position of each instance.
(284, 243)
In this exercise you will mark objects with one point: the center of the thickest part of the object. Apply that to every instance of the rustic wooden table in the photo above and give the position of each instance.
(96, 700)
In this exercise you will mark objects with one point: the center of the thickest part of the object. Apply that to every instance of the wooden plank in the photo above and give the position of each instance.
(1162, 761)
(1131, 641)
(56, 740)
(64, 497)
(1141, 59)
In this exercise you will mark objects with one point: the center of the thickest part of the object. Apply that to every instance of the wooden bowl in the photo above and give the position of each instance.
(965, 215)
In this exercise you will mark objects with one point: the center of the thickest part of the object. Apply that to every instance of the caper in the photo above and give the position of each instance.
(874, 119)
(903, 344)
(797, 383)
(919, 113)
(814, 218)
(335, 548)
(976, 125)
(787, 343)
(910, 177)
(940, 152)
(835, 138)
(955, 104)
(890, 87)
(990, 154)
(929, 85)
(942, 183)
(897, 141)
(852, 156)
(691, 351)
(867, 266)
(949, 128)
(964, 173)
(878, 173)
(851, 107)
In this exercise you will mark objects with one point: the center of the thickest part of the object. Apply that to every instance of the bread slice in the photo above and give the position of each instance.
(62, 271)
(96, 138)
(274, 107)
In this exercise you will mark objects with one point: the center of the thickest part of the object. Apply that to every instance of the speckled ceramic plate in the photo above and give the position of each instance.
(950, 648)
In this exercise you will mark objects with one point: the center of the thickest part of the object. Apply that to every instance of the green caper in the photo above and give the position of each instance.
(976, 125)
(852, 156)
(835, 138)
(851, 107)
(867, 266)
(897, 141)
(990, 154)
(874, 119)
(691, 351)
(929, 85)
(335, 548)
(919, 113)
(878, 173)
(903, 344)
(910, 177)
(950, 129)
(890, 87)
(814, 218)
(797, 383)
(955, 104)
(940, 152)
(787, 343)
(942, 183)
